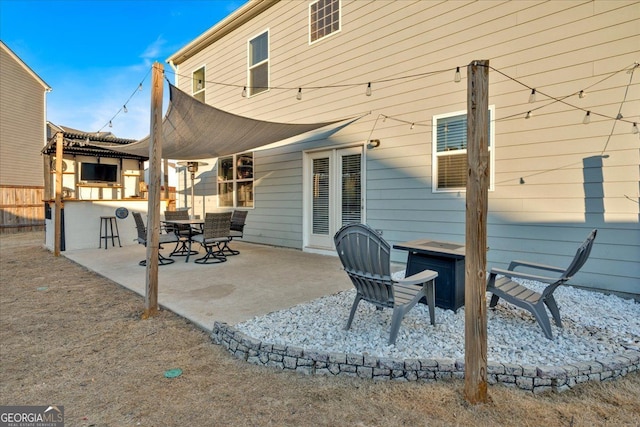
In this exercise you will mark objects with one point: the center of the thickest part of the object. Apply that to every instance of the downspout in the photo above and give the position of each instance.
(165, 162)
(175, 69)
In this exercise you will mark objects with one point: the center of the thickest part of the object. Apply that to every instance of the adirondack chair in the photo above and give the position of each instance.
(365, 256)
(521, 296)
(215, 234)
(142, 239)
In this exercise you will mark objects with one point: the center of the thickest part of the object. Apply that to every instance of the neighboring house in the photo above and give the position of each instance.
(22, 136)
(552, 179)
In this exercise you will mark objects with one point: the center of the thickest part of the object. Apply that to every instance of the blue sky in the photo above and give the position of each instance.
(94, 53)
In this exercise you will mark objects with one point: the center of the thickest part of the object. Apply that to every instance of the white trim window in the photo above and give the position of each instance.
(450, 151)
(198, 85)
(235, 181)
(324, 19)
(258, 64)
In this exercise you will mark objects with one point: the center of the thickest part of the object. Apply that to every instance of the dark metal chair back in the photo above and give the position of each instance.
(238, 219)
(140, 227)
(217, 224)
(171, 215)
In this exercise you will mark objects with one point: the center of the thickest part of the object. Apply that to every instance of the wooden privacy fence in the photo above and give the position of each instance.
(21, 208)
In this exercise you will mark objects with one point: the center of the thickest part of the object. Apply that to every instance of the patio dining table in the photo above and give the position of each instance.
(176, 223)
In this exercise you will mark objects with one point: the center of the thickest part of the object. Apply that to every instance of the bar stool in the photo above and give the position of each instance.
(109, 221)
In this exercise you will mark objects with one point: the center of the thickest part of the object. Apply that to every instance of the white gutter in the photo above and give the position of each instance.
(224, 27)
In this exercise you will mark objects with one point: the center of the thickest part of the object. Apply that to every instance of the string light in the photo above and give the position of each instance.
(457, 78)
(634, 128)
(124, 106)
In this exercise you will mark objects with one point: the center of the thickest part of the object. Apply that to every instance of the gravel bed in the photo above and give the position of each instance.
(595, 325)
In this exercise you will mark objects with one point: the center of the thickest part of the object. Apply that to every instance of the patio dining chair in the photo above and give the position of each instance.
(215, 234)
(142, 239)
(238, 220)
(365, 256)
(184, 233)
(523, 297)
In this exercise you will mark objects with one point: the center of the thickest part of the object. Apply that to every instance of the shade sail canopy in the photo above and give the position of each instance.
(194, 130)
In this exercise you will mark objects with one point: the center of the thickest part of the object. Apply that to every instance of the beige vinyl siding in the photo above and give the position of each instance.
(22, 116)
(558, 47)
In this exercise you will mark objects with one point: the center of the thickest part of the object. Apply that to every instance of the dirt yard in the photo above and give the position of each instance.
(69, 337)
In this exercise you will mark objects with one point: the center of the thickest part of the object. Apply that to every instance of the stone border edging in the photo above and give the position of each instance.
(527, 377)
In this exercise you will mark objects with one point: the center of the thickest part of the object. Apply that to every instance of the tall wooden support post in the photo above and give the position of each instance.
(475, 357)
(153, 219)
(57, 226)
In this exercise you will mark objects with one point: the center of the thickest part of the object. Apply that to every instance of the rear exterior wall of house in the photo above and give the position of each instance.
(553, 178)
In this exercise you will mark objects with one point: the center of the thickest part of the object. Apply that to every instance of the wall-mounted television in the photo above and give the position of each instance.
(98, 172)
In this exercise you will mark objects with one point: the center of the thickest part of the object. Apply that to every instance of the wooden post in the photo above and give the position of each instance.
(153, 210)
(57, 226)
(475, 355)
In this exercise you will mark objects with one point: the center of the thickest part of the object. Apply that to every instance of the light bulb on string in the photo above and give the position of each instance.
(110, 124)
(457, 78)
(244, 92)
(528, 116)
(384, 119)
(368, 91)
(299, 95)
(634, 128)
(124, 108)
(412, 125)
(587, 118)
(582, 94)
(140, 87)
(532, 97)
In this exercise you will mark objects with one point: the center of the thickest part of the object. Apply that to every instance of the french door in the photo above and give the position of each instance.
(333, 194)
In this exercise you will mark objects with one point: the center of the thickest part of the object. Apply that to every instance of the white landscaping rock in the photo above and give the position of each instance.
(595, 325)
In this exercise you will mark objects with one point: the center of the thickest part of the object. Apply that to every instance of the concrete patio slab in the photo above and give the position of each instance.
(260, 280)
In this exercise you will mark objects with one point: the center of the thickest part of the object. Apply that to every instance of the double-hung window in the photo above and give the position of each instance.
(198, 84)
(258, 73)
(450, 151)
(235, 180)
(324, 19)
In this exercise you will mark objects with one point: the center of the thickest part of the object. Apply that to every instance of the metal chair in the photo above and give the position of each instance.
(215, 234)
(238, 219)
(142, 239)
(535, 302)
(365, 256)
(184, 233)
